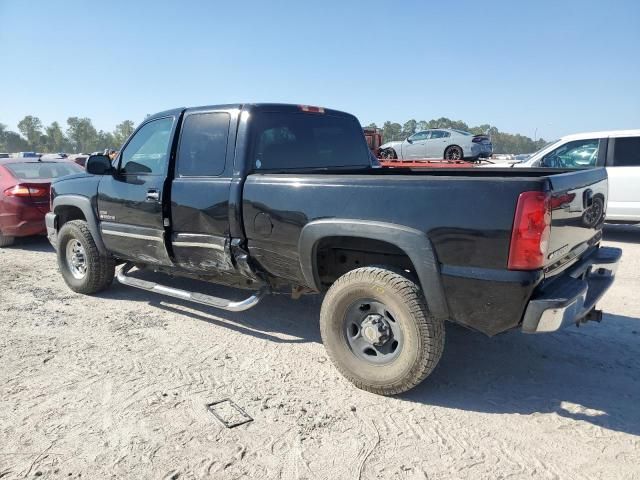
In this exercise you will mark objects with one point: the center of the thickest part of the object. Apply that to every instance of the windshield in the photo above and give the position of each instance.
(285, 140)
(534, 158)
(42, 170)
(462, 132)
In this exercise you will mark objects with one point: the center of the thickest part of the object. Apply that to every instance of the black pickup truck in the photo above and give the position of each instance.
(273, 198)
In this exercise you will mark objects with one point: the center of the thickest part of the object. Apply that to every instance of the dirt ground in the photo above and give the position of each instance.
(117, 386)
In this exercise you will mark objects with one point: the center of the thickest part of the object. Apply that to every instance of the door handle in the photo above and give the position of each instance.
(153, 194)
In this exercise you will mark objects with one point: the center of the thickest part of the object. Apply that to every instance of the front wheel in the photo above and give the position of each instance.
(83, 268)
(453, 152)
(389, 154)
(378, 332)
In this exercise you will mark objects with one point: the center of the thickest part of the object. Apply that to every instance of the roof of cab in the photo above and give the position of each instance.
(277, 107)
(603, 134)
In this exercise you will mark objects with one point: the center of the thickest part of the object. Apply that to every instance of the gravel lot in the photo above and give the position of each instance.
(116, 386)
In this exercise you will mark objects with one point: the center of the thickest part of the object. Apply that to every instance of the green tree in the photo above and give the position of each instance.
(12, 142)
(3, 133)
(122, 132)
(103, 140)
(422, 125)
(55, 139)
(409, 128)
(391, 132)
(82, 134)
(31, 128)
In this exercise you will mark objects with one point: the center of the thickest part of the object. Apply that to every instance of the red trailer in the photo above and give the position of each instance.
(374, 139)
(426, 163)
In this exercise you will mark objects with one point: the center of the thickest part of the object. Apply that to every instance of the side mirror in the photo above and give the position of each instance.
(99, 165)
(409, 140)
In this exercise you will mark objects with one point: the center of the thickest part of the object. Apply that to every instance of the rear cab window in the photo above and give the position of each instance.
(42, 170)
(292, 140)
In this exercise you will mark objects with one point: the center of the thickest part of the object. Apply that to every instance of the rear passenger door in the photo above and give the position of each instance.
(623, 168)
(200, 190)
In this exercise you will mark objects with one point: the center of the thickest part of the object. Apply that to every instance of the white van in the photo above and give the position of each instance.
(617, 150)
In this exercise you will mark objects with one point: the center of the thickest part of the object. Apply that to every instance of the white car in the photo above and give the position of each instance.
(447, 143)
(617, 150)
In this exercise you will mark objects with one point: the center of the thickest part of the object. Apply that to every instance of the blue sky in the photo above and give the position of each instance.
(555, 66)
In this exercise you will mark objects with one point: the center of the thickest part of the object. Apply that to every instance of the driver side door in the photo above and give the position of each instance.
(416, 145)
(130, 202)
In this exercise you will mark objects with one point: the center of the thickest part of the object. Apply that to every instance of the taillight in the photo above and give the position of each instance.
(311, 109)
(25, 190)
(531, 229)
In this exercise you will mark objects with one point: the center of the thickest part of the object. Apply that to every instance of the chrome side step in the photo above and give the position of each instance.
(209, 300)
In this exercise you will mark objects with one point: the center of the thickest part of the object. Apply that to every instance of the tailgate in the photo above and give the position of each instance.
(578, 206)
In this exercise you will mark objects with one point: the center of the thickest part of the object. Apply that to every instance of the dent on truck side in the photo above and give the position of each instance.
(412, 242)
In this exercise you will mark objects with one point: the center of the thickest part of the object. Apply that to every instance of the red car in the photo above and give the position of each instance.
(24, 194)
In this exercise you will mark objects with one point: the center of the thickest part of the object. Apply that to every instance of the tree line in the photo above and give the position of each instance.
(502, 142)
(79, 136)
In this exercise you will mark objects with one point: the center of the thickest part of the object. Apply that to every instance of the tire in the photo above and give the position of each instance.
(5, 240)
(594, 215)
(453, 152)
(418, 335)
(74, 236)
(389, 154)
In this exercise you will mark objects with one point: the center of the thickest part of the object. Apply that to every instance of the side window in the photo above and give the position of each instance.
(438, 134)
(203, 144)
(416, 137)
(626, 152)
(148, 151)
(576, 154)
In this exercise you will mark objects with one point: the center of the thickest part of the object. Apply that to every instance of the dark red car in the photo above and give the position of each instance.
(24, 194)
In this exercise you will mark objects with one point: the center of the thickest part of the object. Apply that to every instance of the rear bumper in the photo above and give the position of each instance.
(50, 220)
(20, 220)
(24, 228)
(480, 150)
(570, 299)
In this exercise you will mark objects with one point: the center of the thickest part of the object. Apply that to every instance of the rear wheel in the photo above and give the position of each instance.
(83, 268)
(5, 240)
(378, 332)
(594, 214)
(454, 152)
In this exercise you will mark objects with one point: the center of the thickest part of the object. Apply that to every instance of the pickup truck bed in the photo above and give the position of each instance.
(469, 230)
(274, 197)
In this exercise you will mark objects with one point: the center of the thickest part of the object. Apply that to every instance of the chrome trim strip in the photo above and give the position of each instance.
(131, 235)
(198, 244)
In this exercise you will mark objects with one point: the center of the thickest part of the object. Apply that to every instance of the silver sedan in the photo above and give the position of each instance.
(444, 143)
